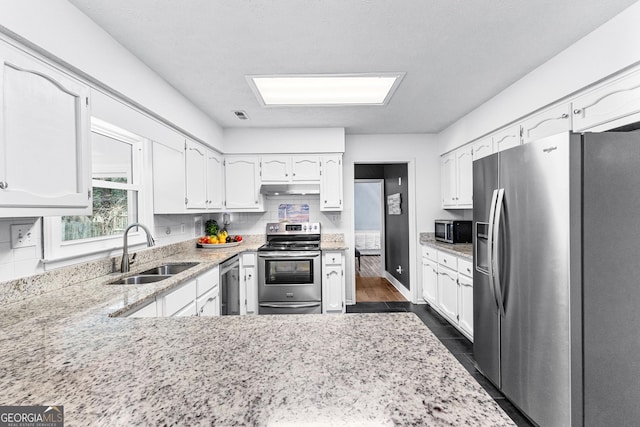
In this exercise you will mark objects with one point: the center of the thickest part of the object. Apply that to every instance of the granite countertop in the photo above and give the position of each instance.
(333, 246)
(62, 347)
(463, 250)
(239, 370)
(115, 300)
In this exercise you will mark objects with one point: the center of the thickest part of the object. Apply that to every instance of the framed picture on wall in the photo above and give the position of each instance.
(394, 204)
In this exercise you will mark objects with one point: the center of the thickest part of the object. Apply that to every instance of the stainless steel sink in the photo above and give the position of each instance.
(140, 279)
(169, 269)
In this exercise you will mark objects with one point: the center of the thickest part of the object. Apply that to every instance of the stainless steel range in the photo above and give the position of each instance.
(289, 269)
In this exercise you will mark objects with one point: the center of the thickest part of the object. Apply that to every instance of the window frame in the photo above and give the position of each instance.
(56, 250)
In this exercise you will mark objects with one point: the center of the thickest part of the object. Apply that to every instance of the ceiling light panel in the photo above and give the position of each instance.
(325, 90)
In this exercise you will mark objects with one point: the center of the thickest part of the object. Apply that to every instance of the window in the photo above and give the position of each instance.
(116, 162)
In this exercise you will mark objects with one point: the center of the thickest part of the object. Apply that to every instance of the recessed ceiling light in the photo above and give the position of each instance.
(325, 89)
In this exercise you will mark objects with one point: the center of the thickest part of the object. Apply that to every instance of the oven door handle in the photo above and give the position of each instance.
(292, 254)
(312, 304)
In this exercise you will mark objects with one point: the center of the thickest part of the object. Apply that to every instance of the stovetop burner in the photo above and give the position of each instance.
(292, 237)
(268, 247)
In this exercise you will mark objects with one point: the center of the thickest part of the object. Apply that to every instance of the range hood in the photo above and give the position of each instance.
(279, 189)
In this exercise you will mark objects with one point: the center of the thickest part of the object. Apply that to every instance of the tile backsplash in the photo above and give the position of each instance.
(167, 229)
(255, 222)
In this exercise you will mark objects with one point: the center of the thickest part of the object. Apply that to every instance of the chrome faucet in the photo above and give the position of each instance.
(124, 266)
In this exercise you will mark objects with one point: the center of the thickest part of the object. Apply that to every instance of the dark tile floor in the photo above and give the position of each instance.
(454, 341)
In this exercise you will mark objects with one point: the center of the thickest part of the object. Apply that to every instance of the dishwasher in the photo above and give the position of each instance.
(230, 287)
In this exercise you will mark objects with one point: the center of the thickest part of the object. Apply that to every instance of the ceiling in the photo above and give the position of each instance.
(457, 54)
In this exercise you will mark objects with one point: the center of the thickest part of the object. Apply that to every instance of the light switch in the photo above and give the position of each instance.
(23, 235)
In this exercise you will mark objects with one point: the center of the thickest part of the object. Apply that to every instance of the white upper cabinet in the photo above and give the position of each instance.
(196, 178)
(45, 158)
(448, 180)
(550, 122)
(305, 168)
(464, 165)
(242, 183)
(215, 181)
(331, 183)
(456, 170)
(276, 168)
(482, 148)
(610, 103)
(168, 178)
(506, 138)
(282, 168)
(204, 178)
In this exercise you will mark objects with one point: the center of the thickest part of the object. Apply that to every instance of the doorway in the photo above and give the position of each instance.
(372, 279)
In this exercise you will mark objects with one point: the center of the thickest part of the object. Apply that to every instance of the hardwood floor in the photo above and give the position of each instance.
(370, 287)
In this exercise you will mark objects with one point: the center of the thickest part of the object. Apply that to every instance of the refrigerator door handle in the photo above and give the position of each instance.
(492, 215)
(495, 261)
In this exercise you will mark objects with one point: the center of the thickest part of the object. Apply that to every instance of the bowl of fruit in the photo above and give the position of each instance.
(217, 239)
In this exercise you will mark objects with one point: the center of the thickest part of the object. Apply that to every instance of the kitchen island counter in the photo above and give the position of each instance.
(63, 348)
(240, 370)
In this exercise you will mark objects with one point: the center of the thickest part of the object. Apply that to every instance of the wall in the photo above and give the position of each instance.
(22, 261)
(61, 31)
(610, 48)
(421, 151)
(397, 226)
(292, 140)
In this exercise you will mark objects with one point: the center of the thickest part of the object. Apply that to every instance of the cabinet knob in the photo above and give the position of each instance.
(3, 185)
(565, 116)
(577, 111)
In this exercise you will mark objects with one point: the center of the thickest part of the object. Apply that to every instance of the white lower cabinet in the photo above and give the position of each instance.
(207, 295)
(208, 305)
(249, 283)
(149, 310)
(448, 292)
(447, 286)
(188, 311)
(429, 275)
(465, 304)
(195, 297)
(333, 292)
(177, 300)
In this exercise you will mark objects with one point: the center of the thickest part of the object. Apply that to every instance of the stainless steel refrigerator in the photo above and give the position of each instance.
(557, 277)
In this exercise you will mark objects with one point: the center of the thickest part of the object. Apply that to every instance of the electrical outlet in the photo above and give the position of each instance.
(23, 235)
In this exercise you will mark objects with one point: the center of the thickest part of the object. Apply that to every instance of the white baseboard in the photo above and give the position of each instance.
(399, 286)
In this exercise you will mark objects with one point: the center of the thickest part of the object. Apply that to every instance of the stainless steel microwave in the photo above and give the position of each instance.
(451, 231)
